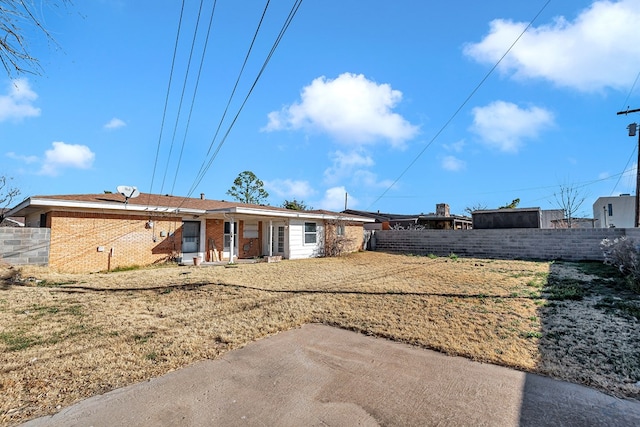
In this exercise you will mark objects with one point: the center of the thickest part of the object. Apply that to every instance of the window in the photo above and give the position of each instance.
(227, 235)
(250, 230)
(310, 232)
(610, 209)
(340, 230)
(280, 240)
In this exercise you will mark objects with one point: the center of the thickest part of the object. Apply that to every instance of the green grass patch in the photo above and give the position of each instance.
(561, 289)
(141, 339)
(16, 341)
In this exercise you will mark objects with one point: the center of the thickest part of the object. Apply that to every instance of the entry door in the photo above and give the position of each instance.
(190, 236)
(280, 240)
(226, 251)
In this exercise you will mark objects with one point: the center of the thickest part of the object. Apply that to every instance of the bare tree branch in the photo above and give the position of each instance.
(569, 198)
(7, 195)
(15, 17)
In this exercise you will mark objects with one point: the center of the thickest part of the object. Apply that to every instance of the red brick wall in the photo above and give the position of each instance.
(76, 237)
(249, 247)
(214, 237)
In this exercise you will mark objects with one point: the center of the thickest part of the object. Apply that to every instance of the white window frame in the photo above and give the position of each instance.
(313, 233)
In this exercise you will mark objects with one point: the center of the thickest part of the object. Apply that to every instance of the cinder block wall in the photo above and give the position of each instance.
(22, 246)
(547, 244)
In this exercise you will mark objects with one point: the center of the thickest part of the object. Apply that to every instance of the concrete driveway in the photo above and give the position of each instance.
(322, 376)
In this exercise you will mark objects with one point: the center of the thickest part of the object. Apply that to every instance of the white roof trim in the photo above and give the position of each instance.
(287, 214)
(58, 203)
(238, 210)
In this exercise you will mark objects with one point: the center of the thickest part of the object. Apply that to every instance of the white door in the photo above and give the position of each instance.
(226, 250)
(279, 239)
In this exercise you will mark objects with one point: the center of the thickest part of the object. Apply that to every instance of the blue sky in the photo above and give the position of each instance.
(394, 103)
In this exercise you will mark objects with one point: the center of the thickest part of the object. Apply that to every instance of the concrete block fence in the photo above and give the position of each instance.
(540, 244)
(22, 246)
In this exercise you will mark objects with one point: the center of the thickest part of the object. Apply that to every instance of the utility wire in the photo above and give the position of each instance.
(625, 168)
(166, 101)
(630, 92)
(287, 23)
(464, 103)
(184, 88)
(193, 98)
(231, 96)
(625, 105)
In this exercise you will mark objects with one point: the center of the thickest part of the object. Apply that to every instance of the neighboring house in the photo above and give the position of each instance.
(10, 222)
(384, 221)
(615, 211)
(96, 232)
(442, 220)
(527, 218)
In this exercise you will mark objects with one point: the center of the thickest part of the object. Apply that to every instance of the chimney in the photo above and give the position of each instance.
(201, 196)
(442, 209)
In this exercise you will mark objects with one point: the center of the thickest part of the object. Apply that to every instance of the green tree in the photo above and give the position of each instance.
(296, 205)
(514, 204)
(247, 188)
(14, 16)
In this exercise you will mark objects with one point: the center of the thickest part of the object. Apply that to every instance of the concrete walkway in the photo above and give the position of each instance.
(323, 376)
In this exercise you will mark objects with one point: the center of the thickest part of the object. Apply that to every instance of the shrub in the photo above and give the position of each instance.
(623, 254)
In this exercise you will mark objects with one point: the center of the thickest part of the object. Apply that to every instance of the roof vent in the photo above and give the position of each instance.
(201, 196)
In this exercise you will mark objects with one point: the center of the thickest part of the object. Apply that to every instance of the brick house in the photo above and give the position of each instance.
(97, 232)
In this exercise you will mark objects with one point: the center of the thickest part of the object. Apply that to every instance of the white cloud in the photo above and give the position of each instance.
(599, 49)
(17, 103)
(456, 147)
(115, 123)
(505, 126)
(350, 108)
(368, 179)
(344, 164)
(453, 164)
(19, 157)
(66, 156)
(288, 188)
(334, 199)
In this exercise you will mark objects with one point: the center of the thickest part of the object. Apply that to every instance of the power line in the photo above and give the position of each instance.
(233, 91)
(166, 101)
(625, 168)
(193, 98)
(464, 103)
(294, 9)
(184, 88)
(630, 91)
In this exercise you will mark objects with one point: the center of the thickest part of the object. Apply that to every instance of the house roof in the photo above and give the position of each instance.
(159, 204)
(380, 216)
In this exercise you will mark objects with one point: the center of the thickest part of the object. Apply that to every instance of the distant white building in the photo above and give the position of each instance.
(615, 211)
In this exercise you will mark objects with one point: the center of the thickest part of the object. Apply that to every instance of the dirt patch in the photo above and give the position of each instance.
(68, 337)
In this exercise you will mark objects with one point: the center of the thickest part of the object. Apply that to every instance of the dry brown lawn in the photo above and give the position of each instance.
(67, 337)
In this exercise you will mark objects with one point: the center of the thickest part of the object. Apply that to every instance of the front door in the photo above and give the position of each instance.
(226, 252)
